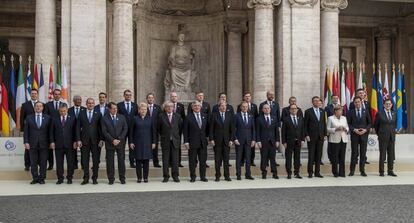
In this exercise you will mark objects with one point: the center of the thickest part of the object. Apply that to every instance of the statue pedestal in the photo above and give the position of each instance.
(182, 96)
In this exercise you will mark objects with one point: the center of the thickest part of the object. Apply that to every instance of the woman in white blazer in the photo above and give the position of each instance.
(338, 137)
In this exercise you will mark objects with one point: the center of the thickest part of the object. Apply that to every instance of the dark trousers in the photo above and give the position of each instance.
(330, 153)
(221, 156)
(142, 168)
(293, 149)
(110, 162)
(26, 158)
(155, 159)
(252, 155)
(243, 151)
(38, 162)
(75, 160)
(268, 153)
(358, 149)
(50, 158)
(170, 156)
(60, 160)
(131, 154)
(314, 156)
(387, 150)
(179, 155)
(338, 158)
(195, 154)
(86, 151)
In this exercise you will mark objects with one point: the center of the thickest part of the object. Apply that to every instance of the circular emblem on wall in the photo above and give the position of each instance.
(9, 145)
(371, 141)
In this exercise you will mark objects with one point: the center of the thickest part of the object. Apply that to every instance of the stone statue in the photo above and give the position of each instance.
(180, 75)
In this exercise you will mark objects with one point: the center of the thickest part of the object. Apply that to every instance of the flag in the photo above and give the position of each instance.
(35, 84)
(359, 83)
(335, 82)
(343, 89)
(1, 97)
(352, 85)
(51, 85)
(379, 90)
(12, 98)
(385, 89)
(29, 81)
(328, 87)
(404, 101)
(399, 102)
(58, 84)
(20, 95)
(5, 128)
(364, 82)
(393, 91)
(64, 85)
(374, 105)
(42, 90)
(348, 87)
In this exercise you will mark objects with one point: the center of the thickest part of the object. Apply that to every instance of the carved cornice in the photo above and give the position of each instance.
(303, 3)
(334, 4)
(236, 26)
(386, 32)
(263, 3)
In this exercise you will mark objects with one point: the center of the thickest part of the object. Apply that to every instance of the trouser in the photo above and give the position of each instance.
(330, 152)
(252, 155)
(195, 154)
(387, 150)
(26, 158)
(243, 151)
(293, 149)
(131, 154)
(179, 155)
(268, 153)
(221, 156)
(38, 162)
(60, 154)
(86, 151)
(50, 158)
(338, 158)
(142, 168)
(314, 156)
(155, 159)
(170, 156)
(358, 149)
(110, 162)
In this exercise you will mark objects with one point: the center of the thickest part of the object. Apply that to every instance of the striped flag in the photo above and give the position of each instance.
(35, 84)
(42, 90)
(359, 83)
(5, 128)
(29, 81)
(404, 101)
(335, 83)
(352, 86)
(343, 90)
(374, 95)
(64, 89)
(58, 84)
(328, 87)
(385, 89)
(348, 87)
(20, 95)
(51, 84)
(379, 90)
(399, 102)
(393, 91)
(12, 97)
(1, 98)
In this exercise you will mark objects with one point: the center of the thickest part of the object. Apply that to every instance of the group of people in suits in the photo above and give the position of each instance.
(145, 127)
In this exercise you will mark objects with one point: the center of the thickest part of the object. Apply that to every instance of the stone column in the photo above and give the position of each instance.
(384, 49)
(330, 34)
(234, 30)
(264, 64)
(122, 77)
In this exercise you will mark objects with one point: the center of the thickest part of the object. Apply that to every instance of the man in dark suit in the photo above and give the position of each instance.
(221, 137)
(205, 107)
(286, 110)
(26, 110)
(359, 122)
(385, 124)
(129, 110)
(293, 135)
(64, 142)
(114, 130)
(153, 111)
(274, 106)
(252, 110)
(329, 109)
(37, 138)
(179, 109)
(90, 139)
(223, 98)
(195, 131)
(169, 127)
(315, 131)
(267, 139)
(245, 136)
(74, 111)
(102, 107)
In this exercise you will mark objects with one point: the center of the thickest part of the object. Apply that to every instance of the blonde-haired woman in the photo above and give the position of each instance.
(338, 137)
(142, 134)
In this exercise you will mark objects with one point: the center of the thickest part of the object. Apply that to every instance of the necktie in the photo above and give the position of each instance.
(250, 107)
(175, 107)
(199, 121)
(245, 118)
(128, 108)
(56, 105)
(113, 120)
(359, 114)
(295, 122)
(222, 117)
(89, 116)
(317, 114)
(389, 116)
(38, 121)
(268, 121)
(76, 112)
(63, 121)
(170, 118)
(151, 110)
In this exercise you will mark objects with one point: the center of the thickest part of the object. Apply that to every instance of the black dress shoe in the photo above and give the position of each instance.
(84, 182)
(392, 174)
(253, 164)
(227, 179)
(59, 182)
(297, 176)
(192, 180)
(217, 179)
(310, 176)
(180, 165)
(351, 173)
(75, 167)
(41, 181)
(335, 175)
(342, 175)
(165, 180)
(69, 181)
(238, 177)
(94, 182)
(366, 162)
(176, 179)
(110, 182)
(381, 174)
(33, 182)
(50, 168)
(322, 163)
(204, 180)
(139, 181)
(123, 182)
(230, 165)
(264, 176)
(363, 174)
(249, 178)
(289, 176)
(318, 175)
(132, 166)
(26, 168)
(207, 166)
(277, 164)
(275, 176)
(145, 180)
(157, 165)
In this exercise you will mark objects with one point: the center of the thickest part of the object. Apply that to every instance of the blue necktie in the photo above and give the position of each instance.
(128, 109)
(268, 120)
(113, 120)
(38, 121)
(245, 119)
(199, 121)
(222, 117)
(89, 117)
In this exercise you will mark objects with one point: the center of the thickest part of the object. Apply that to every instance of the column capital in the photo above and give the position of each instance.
(303, 3)
(259, 4)
(235, 26)
(334, 4)
(126, 1)
(386, 32)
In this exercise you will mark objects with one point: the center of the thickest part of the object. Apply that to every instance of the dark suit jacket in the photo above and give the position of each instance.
(142, 133)
(180, 110)
(111, 132)
(205, 108)
(50, 108)
(97, 108)
(329, 109)
(252, 110)
(229, 108)
(286, 113)
(266, 132)
(38, 138)
(195, 136)
(385, 128)
(313, 128)
(133, 111)
(71, 110)
(359, 123)
(26, 110)
(64, 136)
(290, 132)
(222, 132)
(367, 106)
(274, 109)
(156, 111)
(245, 134)
(89, 133)
(169, 131)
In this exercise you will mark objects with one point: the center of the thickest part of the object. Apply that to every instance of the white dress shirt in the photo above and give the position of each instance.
(333, 124)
